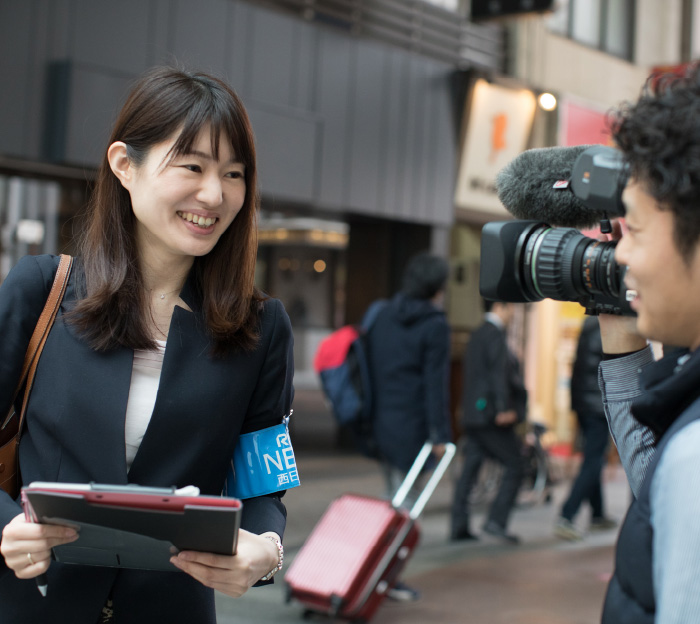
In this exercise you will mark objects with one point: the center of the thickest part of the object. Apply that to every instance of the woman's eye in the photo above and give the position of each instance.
(195, 168)
(235, 174)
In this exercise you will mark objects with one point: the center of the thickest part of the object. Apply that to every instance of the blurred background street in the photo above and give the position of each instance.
(380, 129)
(544, 580)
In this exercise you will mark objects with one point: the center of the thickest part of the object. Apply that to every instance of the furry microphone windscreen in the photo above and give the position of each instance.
(536, 185)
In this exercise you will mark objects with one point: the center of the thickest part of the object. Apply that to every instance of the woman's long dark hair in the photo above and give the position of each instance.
(113, 308)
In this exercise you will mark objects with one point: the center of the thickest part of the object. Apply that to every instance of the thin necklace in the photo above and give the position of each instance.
(162, 295)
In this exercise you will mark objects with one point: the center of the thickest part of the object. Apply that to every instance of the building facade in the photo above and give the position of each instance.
(363, 112)
(352, 104)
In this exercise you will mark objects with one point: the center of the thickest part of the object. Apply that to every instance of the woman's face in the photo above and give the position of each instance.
(183, 205)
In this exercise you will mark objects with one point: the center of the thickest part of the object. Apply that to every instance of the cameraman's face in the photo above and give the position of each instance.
(668, 288)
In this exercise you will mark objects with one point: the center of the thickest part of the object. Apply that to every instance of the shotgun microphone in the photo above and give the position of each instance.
(565, 186)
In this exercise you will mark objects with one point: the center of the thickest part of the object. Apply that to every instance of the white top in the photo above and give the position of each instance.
(145, 377)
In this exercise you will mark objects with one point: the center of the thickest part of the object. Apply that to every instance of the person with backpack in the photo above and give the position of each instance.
(408, 349)
(408, 355)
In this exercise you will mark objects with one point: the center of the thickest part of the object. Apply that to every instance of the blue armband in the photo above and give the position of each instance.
(262, 463)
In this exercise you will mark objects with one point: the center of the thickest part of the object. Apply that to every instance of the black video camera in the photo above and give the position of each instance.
(530, 260)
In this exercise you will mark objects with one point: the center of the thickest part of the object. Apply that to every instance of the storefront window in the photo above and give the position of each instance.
(301, 262)
(450, 5)
(35, 214)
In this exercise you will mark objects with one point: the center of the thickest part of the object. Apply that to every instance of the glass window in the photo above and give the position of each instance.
(585, 22)
(558, 21)
(450, 5)
(36, 215)
(619, 25)
(607, 25)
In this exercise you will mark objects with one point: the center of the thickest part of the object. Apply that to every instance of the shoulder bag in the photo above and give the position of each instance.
(11, 428)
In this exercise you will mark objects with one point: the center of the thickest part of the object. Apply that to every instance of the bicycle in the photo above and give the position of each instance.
(537, 481)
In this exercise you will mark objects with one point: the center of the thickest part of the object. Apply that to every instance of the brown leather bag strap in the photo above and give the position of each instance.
(42, 329)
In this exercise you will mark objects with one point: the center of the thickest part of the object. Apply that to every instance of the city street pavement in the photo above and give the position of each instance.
(541, 581)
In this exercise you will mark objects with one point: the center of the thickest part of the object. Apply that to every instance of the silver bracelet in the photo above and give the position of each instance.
(280, 558)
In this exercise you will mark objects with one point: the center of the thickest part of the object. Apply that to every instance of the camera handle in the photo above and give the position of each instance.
(605, 225)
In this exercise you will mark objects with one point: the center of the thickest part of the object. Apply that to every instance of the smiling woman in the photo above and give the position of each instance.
(183, 203)
(182, 143)
(162, 355)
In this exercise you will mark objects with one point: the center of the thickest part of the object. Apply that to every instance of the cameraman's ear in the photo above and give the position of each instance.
(120, 164)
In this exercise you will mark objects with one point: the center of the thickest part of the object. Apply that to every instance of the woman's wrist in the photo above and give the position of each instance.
(276, 555)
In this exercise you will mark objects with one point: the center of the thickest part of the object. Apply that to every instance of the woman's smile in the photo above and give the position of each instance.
(201, 222)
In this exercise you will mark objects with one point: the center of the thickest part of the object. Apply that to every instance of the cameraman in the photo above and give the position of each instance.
(654, 408)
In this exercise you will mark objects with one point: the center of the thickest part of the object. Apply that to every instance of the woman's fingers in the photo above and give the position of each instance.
(220, 572)
(26, 546)
(231, 574)
(29, 564)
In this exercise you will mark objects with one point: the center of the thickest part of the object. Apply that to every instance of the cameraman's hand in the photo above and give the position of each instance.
(619, 333)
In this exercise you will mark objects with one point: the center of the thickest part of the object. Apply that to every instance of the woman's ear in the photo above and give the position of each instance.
(119, 163)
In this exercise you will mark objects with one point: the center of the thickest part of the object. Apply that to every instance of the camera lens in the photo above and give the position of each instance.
(563, 264)
(529, 261)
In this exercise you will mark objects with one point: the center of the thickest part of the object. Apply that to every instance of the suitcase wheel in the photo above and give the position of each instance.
(311, 614)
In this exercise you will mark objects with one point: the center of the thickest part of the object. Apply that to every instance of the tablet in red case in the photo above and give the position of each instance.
(133, 526)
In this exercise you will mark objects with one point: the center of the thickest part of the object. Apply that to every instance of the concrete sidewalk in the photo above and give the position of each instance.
(541, 581)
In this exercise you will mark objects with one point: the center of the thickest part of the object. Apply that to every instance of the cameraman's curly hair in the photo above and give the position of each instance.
(660, 137)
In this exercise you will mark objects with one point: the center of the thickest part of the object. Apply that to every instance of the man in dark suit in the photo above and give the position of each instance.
(587, 402)
(494, 402)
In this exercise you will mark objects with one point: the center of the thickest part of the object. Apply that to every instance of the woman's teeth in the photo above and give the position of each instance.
(197, 220)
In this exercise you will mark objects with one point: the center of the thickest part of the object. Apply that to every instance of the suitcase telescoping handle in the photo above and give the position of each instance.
(415, 471)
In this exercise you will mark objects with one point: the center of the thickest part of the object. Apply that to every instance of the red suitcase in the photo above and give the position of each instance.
(358, 548)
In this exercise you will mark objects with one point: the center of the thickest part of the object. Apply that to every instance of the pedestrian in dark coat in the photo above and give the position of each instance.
(409, 359)
(409, 356)
(587, 402)
(494, 401)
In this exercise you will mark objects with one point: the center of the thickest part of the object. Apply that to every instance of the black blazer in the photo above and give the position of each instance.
(74, 432)
(493, 381)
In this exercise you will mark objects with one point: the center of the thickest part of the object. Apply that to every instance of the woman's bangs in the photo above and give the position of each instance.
(194, 121)
(219, 126)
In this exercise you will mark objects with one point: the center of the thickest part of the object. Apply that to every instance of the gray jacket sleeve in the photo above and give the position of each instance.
(619, 383)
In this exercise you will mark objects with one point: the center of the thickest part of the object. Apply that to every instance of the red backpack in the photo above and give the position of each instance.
(341, 362)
